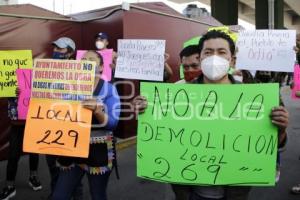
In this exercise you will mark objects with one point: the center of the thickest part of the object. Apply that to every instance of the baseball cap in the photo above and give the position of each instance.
(65, 42)
(101, 35)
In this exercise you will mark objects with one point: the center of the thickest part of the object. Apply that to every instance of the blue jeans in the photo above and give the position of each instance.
(77, 194)
(68, 180)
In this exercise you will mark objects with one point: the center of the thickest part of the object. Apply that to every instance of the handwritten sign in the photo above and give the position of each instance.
(24, 84)
(107, 60)
(266, 50)
(208, 134)
(63, 79)
(296, 88)
(57, 128)
(141, 59)
(10, 61)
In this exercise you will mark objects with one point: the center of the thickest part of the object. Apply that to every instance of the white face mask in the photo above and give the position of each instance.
(238, 78)
(214, 67)
(99, 45)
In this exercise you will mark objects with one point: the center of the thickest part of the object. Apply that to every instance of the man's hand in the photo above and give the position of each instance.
(139, 104)
(280, 118)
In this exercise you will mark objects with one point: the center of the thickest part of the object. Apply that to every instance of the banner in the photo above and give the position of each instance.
(208, 134)
(266, 50)
(24, 84)
(296, 88)
(141, 59)
(10, 61)
(57, 128)
(107, 60)
(63, 79)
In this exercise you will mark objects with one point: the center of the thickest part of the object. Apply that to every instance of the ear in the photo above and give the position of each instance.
(233, 61)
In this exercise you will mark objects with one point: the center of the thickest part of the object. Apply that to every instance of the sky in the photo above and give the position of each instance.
(74, 6)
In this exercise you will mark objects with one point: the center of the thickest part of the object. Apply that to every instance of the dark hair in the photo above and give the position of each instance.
(98, 55)
(70, 50)
(214, 34)
(188, 51)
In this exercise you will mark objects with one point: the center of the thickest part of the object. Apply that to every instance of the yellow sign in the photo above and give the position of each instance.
(63, 79)
(10, 61)
(57, 128)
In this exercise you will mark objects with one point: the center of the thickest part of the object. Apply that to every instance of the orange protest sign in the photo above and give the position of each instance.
(57, 128)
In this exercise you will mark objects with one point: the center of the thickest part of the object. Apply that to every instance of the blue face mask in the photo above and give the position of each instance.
(58, 55)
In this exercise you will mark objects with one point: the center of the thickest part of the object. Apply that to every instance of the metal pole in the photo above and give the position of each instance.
(271, 10)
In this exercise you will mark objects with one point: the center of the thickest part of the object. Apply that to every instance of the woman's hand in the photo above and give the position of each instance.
(93, 105)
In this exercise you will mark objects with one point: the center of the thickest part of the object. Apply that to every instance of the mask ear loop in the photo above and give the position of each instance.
(231, 70)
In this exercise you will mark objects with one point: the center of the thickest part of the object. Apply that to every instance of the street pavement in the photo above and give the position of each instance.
(129, 187)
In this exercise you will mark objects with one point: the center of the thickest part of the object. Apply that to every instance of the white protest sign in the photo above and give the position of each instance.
(141, 59)
(266, 50)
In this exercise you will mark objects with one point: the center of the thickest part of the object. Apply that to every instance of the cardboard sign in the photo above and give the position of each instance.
(107, 60)
(296, 87)
(208, 134)
(141, 59)
(24, 84)
(266, 50)
(57, 128)
(10, 61)
(63, 79)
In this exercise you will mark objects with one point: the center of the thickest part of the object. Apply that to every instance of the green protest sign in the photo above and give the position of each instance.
(208, 134)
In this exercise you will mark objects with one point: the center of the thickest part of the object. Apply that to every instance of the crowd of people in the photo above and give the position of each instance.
(199, 67)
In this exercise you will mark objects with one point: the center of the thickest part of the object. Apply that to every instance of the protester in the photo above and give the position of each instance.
(63, 48)
(101, 43)
(190, 61)
(216, 55)
(15, 152)
(105, 106)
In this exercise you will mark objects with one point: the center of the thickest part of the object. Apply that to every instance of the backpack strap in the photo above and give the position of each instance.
(98, 87)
